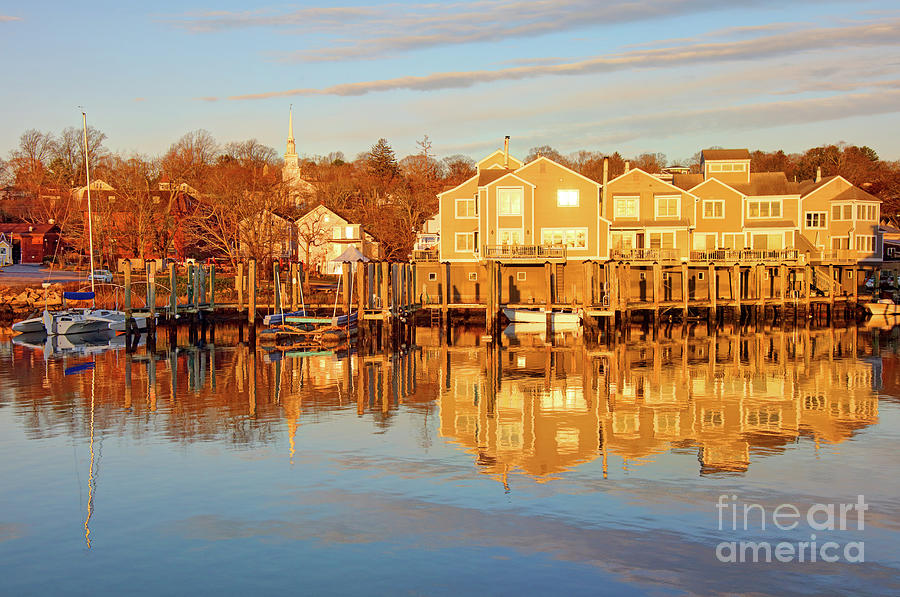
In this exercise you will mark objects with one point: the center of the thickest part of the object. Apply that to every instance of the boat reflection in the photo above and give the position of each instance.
(528, 407)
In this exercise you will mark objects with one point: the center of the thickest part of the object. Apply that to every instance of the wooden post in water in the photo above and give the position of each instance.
(445, 297)
(806, 280)
(854, 286)
(201, 281)
(251, 300)
(295, 287)
(212, 287)
(195, 280)
(685, 272)
(735, 282)
(189, 290)
(151, 301)
(760, 294)
(239, 285)
(713, 286)
(128, 320)
(548, 285)
(361, 323)
(345, 281)
(173, 296)
(276, 281)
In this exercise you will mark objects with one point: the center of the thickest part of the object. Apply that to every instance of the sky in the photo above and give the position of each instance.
(669, 76)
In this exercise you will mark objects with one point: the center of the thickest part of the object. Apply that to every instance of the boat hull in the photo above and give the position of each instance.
(31, 325)
(883, 308)
(530, 316)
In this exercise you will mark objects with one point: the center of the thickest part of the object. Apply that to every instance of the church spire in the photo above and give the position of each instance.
(291, 146)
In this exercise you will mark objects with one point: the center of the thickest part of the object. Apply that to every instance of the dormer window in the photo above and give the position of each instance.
(733, 167)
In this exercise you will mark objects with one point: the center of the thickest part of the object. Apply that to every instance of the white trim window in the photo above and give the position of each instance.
(865, 243)
(705, 241)
(466, 208)
(816, 219)
(509, 236)
(764, 208)
(841, 213)
(662, 240)
(573, 238)
(465, 242)
(668, 206)
(622, 240)
(627, 206)
(733, 240)
(510, 200)
(714, 209)
(728, 167)
(867, 213)
(840, 242)
(567, 198)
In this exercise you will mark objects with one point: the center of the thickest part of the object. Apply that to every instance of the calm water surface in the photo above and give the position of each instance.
(541, 467)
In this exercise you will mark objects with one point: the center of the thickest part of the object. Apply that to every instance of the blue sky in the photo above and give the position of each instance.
(670, 76)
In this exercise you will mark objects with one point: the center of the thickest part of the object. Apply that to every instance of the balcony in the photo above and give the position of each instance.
(645, 254)
(751, 255)
(522, 253)
(836, 256)
(426, 255)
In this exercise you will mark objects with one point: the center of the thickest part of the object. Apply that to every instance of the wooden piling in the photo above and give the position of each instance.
(127, 305)
(212, 287)
(251, 295)
(735, 282)
(345, 281)
(684, 290)
(173, 293)
(276, 281)
(239, 285)
(713, 286)
(548, 286)
(295, 287)
(151, 300)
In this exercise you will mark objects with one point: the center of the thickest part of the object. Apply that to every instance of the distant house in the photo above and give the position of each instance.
(31, 243)
(322, 235)
(270, 235)
(428, 239)
(6, 249)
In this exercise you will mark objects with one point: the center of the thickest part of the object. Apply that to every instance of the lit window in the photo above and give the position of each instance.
(764, 208)
(465, 208)
(667, 206)
(714, 209)
(509, 202)
(865, 243)
(567, 198)
(573, 238)
(626, 207)
(662, 240)
(509, 236)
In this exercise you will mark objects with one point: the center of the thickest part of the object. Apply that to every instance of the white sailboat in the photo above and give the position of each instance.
(82, 321)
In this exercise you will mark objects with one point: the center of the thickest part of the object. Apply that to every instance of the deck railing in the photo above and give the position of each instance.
(524, 252)
(834, 255)
(756, 255)
(645, 254)
(426, 255)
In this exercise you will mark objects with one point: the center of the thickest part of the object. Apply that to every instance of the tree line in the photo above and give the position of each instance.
(220, 195)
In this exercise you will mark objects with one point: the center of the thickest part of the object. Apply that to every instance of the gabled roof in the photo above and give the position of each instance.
(855, 194)
(767, 183)
(511, 175)
(851, 193)
(320, 208)
(558, 165)
(650, 176)
(514, 162)
(714, 181)
(448, 188)
(486, 177)
(26, 228)
(725, 154)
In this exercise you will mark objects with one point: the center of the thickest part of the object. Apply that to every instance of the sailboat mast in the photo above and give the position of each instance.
(87, 175)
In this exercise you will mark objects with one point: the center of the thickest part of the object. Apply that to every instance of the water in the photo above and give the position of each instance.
(538, 468)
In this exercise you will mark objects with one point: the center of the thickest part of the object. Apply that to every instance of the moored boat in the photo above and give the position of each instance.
(883, 307)
(540, 316)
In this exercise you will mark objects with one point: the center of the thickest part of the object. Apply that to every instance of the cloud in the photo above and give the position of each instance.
(881, 33)
(8, 19)
(140, 99)
(366, 32)
(207, 98)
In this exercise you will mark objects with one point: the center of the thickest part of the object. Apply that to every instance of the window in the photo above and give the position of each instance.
(840, 242)
(432, 276)
(509, 236)
(815, 219)
(465, 242)
(626, 207)
(465, 208)
(509, 201)
(573, 238)
(567, 198)
(622, 240)
(473, 276)
(704, 242)
(841, 212)
(727, 167)
(667, 206)
(733, 241)
(867, 212)
(865, 243)
(770, 241)
(520, 276)
(714, 209)
(764, 208)
(662, 240)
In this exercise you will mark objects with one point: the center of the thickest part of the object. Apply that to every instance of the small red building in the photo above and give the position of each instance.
(31, 243)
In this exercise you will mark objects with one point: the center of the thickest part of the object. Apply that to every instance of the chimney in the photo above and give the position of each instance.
(819, 174)
(506, 152)
(627, 166)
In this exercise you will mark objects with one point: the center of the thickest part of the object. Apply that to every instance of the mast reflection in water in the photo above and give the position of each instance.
(551, 463)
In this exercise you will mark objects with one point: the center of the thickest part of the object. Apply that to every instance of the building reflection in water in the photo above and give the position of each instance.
(545, 410)
(533, 406)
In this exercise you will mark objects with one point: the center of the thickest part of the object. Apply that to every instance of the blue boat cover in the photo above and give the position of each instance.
(79, 368)
(78, 296)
